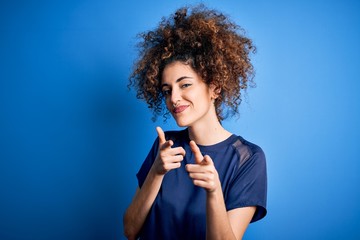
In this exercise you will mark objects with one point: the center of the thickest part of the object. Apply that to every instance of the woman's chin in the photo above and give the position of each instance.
(181, 123)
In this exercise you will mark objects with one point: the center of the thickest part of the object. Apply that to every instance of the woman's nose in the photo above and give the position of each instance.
(175, 96)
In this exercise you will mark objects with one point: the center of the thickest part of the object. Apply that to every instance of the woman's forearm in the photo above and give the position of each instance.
(138, 210)
(217, 222)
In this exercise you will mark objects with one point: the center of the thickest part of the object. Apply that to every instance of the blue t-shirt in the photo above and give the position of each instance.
(179, 210)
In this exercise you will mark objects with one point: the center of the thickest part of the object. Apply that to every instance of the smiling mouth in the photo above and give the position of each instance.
(180, 109)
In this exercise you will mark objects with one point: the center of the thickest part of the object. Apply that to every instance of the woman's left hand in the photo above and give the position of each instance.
(203, 172)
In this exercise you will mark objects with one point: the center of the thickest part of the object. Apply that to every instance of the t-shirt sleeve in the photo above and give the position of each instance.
(249, 185)
(148, 162)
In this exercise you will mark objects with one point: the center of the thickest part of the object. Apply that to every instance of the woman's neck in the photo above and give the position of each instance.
(208, 134)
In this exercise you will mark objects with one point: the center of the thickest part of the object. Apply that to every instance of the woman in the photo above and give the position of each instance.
(203, 181)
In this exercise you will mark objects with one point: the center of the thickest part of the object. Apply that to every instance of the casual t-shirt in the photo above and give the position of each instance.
(179, 210)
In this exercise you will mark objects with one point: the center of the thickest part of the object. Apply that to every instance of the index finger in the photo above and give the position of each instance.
(161, 135)
(196, 150)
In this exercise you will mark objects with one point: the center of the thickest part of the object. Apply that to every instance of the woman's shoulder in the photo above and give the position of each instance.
(242, 142)
(247, 150)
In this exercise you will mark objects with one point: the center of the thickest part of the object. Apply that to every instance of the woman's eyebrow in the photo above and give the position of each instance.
(177, 80)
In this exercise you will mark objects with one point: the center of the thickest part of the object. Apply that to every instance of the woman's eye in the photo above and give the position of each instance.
(186, 85)
(166, 92)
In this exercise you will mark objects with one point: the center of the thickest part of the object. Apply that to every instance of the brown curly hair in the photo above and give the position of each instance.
(215, 48)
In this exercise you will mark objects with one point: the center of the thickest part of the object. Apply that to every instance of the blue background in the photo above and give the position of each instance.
(72, 137)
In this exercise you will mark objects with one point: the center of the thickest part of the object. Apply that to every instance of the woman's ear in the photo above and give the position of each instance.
(214, 91)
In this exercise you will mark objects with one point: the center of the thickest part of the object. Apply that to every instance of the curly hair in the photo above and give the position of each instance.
(215, 48)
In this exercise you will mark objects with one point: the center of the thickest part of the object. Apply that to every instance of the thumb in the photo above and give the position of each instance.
(196, 150)
(161, 135)
(207, 160)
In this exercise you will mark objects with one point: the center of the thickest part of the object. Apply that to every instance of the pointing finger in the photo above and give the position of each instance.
(196, 150)
(161, 135)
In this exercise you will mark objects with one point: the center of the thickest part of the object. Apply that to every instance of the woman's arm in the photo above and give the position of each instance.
(240, 219)
(168, 158)
(220, 224)
(136, 213)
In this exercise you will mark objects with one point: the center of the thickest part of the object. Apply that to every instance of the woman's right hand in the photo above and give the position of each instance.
(168, 158)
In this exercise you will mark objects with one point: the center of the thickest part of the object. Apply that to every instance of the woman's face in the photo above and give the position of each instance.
(187, 96)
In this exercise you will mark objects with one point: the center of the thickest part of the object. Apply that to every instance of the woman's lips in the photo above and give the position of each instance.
(180, 109)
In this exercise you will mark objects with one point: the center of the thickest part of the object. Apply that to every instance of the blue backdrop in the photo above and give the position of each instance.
(72, 137)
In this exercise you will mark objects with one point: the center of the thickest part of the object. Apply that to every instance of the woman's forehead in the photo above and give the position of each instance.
(175, 70)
